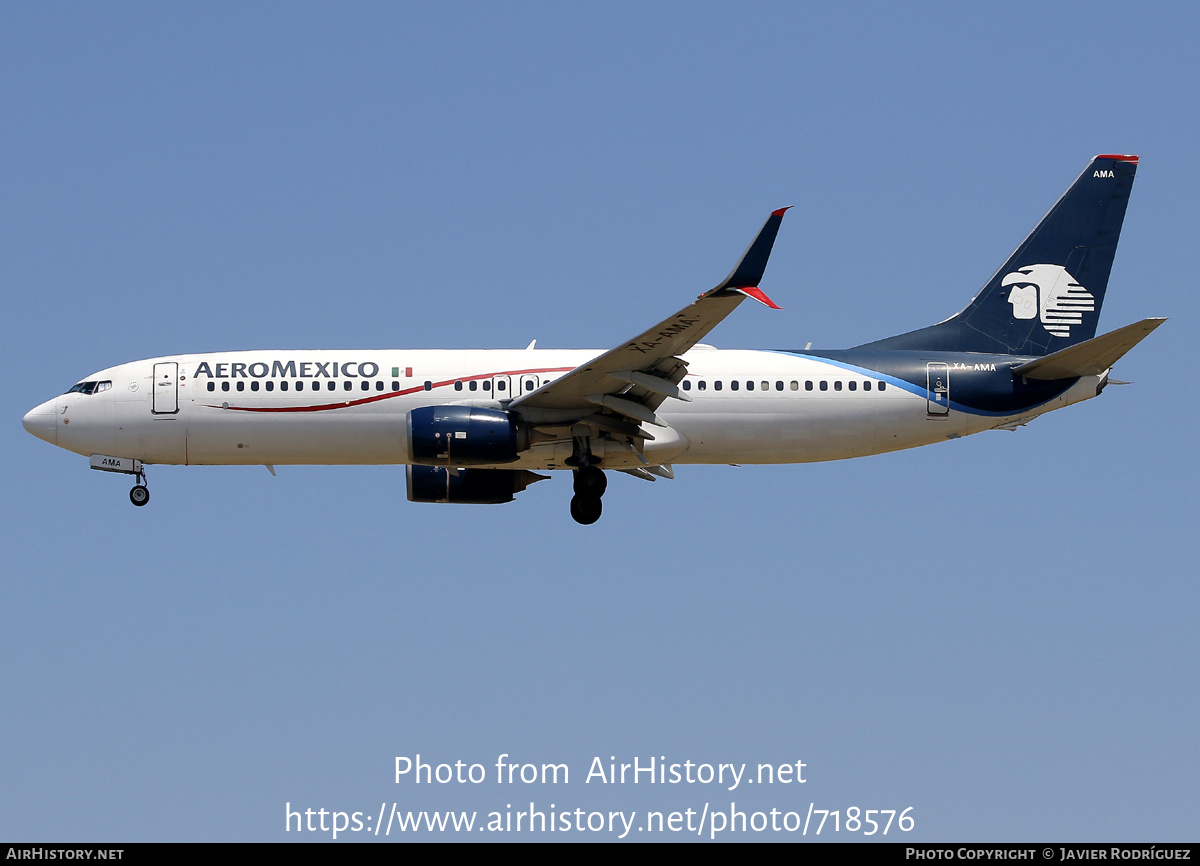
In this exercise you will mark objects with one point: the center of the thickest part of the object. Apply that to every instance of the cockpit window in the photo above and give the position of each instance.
(90, 387)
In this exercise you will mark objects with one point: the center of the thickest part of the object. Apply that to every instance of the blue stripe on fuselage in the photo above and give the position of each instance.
(974, 391)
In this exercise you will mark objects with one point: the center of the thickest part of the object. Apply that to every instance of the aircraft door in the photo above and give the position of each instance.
(501, 388)
(526, 383)
(166, 389)
(937, 385)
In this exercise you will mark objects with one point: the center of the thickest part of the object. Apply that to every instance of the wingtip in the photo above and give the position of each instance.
(758, 295)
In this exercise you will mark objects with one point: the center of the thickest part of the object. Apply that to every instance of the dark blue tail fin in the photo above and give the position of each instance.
(1047, 296)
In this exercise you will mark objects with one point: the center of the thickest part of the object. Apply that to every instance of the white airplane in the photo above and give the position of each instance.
(475, 426)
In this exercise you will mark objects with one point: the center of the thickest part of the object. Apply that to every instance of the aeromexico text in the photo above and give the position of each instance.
(288, 370)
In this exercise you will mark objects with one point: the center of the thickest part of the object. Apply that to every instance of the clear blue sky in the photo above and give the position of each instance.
(999, 632)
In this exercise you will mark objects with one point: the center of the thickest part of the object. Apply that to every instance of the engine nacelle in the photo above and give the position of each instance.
(468, 486)
(463, 436)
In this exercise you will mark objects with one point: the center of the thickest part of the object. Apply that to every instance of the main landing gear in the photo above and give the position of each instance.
(590, 482)
(590, 485)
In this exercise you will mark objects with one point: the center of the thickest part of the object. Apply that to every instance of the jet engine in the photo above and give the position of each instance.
(468, 486)
(464, 436)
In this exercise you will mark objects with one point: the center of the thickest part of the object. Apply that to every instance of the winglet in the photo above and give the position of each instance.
(748, 272)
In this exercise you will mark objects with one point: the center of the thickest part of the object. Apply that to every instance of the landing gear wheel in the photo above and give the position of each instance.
(590, 481)
(586, 509)
(140, 495)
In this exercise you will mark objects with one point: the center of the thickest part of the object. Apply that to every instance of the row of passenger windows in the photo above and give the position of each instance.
(240, 385)
(486, 385)
(793, 385)
(502, 385)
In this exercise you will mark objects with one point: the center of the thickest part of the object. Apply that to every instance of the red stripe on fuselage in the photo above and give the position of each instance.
(375, 398)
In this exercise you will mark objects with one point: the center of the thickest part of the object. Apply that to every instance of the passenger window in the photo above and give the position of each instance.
(733, 386)
(749, 386)
(366, 386)
(428, 385)
(347, 385)
(882, 385)
(766, 386)
(212, 386)
(866, 386)
(254, 386)
(395, 386)
(824, 385)
(224, 386)
(379, 385)
(299, 386)
(795, 386)
(473, 385)
(837, 386)
(500, 386)
(808, 384)
(853, 385)
(241, 386)
(458, 386)
(283, 386)
(702, 385)
(687, 386)
(329, 386)
(528, 385)
(270, 386)
(779, 386)
(717, 385)
(487, 386)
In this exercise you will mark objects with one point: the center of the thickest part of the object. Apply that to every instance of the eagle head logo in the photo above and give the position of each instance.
(1050, 293)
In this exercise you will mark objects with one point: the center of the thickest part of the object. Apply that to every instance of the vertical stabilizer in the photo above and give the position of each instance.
(1047, 296)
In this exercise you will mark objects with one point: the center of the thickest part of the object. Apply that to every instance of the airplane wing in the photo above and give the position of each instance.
(620, 389)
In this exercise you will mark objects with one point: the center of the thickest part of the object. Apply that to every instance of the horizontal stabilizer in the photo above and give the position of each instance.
(1091, 357)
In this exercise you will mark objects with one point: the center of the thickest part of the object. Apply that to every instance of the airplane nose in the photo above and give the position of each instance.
(42, 421)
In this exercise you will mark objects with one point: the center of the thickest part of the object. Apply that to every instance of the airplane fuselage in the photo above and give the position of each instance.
(350, 407)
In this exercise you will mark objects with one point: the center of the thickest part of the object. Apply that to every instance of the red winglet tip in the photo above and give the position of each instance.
(759, 295)
(789, 207)
(1120, 157)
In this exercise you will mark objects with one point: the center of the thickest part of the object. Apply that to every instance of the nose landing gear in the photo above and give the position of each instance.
(140, 494)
